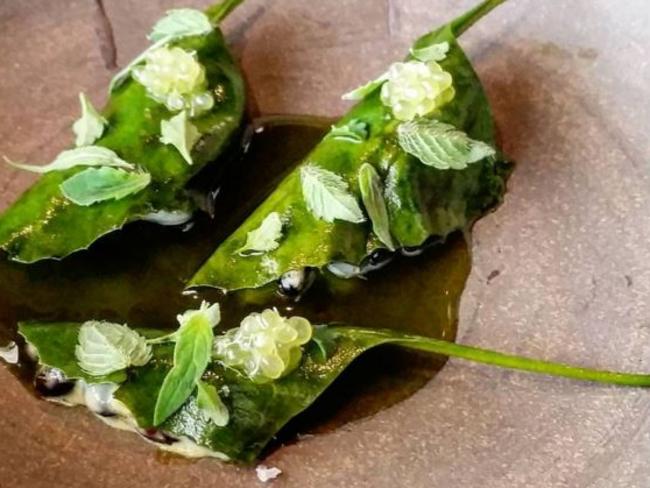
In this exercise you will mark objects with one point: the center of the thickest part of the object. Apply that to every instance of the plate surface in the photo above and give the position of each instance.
(561, 270)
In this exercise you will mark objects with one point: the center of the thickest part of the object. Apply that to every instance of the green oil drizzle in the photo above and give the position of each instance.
(137, 276)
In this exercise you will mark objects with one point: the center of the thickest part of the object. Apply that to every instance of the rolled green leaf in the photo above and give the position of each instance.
(257, 411)
(421, 201)
(42, 223)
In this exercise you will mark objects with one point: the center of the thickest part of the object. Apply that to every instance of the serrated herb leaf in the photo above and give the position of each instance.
(180, 22)
(104, 348)
(440, 145)
(373, 199)
(80, 156)
(434, 52)
(192, 354)
(361, 92)
(177, 24)
(94, 185)
(265, 238)
(211, 405)
(354, 131)
(90, 126)
(328, 197)
(180, 133)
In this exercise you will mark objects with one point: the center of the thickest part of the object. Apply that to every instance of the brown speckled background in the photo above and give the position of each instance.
(568, 254)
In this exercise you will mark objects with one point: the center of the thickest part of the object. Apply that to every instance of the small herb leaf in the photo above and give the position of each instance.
(94, 185)
(373, 199)
(364, 90)
(328, 197)
(192, 354)
(441, 145)
(80, 156)
(434, 52)
(354, 131)
(265, 238)
(211, 405)
(180, 23)
(104, 348)
(90, 126)
(180, 133)
(176, 24)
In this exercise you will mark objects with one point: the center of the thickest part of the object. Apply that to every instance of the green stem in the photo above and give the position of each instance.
(221, 10)
(509, 361)
(467, 20)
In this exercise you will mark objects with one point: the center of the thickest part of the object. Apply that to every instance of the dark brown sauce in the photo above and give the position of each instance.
(137, 276)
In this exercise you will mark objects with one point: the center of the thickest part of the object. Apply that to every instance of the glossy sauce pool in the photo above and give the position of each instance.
(137, 276)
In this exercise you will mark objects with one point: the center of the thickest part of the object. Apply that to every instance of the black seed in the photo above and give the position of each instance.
(380, 256)
(293, 284)
(411, 252)
(417, 250)
(51, 382)
(106, 413)
(376, 260)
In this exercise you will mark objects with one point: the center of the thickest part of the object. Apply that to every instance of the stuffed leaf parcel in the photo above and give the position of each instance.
(169, 113)
(415, 159)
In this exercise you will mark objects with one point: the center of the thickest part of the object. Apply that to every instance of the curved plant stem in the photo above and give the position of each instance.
(221, 10)
(502, 360)
(467, 20)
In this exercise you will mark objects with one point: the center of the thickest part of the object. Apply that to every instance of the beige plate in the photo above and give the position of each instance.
(561, 271)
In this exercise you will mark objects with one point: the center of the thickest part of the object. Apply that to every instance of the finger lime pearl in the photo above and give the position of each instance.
(266, 346)
(175, 78)
(415, 89)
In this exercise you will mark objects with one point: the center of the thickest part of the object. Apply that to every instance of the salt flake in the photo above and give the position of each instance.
(266, 474)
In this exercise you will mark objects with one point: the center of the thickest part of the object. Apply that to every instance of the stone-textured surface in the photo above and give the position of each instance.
(568, 81)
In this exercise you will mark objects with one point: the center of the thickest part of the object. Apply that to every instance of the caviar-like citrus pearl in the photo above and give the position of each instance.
(266, 346)
(175, 77)
(415, 89)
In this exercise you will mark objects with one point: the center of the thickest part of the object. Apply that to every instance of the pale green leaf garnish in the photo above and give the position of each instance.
(180, 133)
(364, 90)
(192, 354)
(266, 346)
(211, 405)
(265, 238)
(174, 26)
(80, 156)
(94, 185)
(180, 22)
(434, 52)
(90, 126)
(354, 131)
(441, 145)
(104, 348)
(373, 199)
(327, 195)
